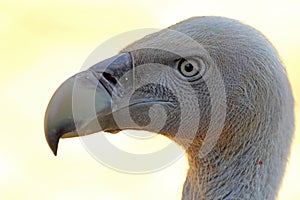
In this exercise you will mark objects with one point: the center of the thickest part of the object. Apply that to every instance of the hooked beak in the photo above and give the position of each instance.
(84, 100)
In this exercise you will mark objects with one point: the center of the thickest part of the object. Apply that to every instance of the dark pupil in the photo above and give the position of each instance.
(188, 67)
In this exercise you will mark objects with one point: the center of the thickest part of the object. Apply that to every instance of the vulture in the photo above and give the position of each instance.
(213, 85)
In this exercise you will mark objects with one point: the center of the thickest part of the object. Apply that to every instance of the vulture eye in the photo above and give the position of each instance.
(191, 69)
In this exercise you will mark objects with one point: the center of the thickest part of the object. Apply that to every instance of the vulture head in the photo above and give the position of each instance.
(213, 85)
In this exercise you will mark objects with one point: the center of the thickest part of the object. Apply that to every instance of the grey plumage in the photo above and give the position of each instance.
(250, 155)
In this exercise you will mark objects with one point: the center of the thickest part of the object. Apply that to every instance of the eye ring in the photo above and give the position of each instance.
(191, 69)
(188, 68)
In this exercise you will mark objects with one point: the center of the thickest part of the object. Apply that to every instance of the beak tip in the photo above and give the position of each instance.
(53, 144)
(52, 139)
(54, 150)
(55, 153)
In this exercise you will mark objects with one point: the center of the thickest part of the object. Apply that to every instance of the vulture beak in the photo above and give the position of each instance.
(84, 100)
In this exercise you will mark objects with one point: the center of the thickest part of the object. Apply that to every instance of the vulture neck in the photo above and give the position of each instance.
(227, 175)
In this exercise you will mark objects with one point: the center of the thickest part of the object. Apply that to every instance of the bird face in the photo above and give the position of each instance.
(182, 82)
(158, 86)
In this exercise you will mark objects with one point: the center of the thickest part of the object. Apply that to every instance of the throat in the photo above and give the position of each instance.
(217, 176)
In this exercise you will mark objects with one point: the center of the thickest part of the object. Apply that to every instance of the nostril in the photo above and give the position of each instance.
(110, 78)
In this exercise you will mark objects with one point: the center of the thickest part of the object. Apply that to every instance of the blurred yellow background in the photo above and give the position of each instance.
(45, 42)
